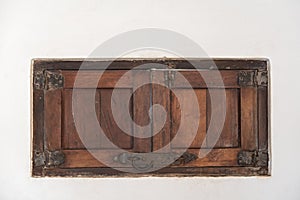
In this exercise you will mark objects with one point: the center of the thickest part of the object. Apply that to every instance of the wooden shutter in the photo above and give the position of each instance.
(242, 147)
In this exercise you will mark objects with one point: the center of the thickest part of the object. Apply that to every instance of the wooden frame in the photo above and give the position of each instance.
(46, 135)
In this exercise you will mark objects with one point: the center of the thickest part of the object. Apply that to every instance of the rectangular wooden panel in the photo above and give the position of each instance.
(71, 137)
(37, 130)
(111, 129)
(207, 78)
(164, 104)
(161, 97)
(229, 136)
(186, 131)
(141, 106)
(97, 79)
(84, 159)
(249, 135)
(53, 119)
(263, 118)
(215, 158)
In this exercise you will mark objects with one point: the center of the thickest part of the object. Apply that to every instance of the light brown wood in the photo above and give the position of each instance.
(161, 96)
(53, 119)
(229, 136)
(71, 139)
(83, 158)
(141, 106)
(185, 95)
(107, 122)
(222, 78)
(216, 157)
(249, 118)
(91, 79)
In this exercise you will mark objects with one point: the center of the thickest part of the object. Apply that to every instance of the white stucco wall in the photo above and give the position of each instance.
(232, 28)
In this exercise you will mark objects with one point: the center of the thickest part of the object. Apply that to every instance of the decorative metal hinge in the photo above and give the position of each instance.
(253, 78)
(169, 77)
(46, 80)
(146, 161)
(48, 158)
(253, 158)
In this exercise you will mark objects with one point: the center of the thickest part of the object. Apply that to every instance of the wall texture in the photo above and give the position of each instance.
(233, 28)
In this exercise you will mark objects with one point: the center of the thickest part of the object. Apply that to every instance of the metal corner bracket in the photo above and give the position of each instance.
(252, 78)
(253, 158)
(48, 80)
(48, 158)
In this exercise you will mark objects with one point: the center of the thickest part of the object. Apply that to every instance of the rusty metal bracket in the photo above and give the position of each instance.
(253, 158)
(38, 80)
(253, 78)
(48, 80)
(246, 78)
(262, 78)
(48, 158)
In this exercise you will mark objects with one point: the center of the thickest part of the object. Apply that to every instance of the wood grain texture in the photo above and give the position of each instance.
(246, 125)
(186, 95)
(83, 158)
(53, 120)
(229, 136)
(38, 121)
(107, 121)
(161, 96)
(216, 157)
(37, 129)
(71, 138)
(262, 118)
(141, 106)
(249, 140)
(206, 78)
(131, 63)
(165, 172)
(97, 79)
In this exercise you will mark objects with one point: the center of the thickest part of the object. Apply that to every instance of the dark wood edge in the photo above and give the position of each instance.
(262, 96)
(37, 129)
(130, 63)
(165, 172)
(264, 117)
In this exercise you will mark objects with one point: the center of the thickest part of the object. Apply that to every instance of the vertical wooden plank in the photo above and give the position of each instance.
(141, 106)
(38, 120)
(185, 95)
(229, 136)
(263, 118)
(200, 137)
(38, 129)
(249, 118)
(161, 96)
(53, 120)
(107, 121)
(71, 139)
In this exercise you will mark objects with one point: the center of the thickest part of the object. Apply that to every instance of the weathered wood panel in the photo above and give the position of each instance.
(241, 149)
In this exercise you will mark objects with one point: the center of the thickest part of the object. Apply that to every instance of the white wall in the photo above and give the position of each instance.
(232, 28)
